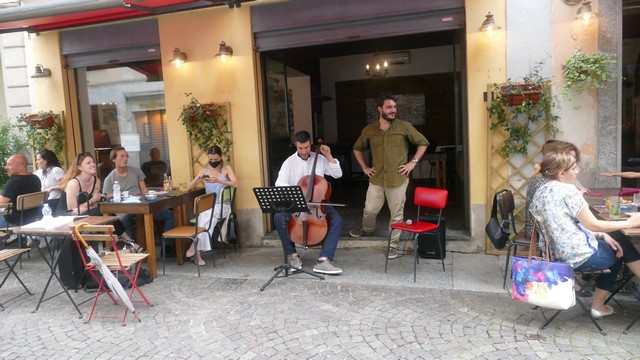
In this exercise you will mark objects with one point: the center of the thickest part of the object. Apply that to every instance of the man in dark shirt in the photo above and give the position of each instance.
(155, 169)
(21, 182)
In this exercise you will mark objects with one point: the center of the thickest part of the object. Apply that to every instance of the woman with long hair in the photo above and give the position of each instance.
(81, 179)
(576, 236)
(50, 174)
(216, 175)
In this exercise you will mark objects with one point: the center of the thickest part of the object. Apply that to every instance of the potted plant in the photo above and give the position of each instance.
(206, 124)
(585, 71)
(515, 105)
(43, 131)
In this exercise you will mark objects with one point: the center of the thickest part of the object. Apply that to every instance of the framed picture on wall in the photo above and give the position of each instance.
(410, 107)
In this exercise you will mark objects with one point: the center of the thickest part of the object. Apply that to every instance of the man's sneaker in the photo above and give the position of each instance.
(356, 233)
(326, 267)
(295, 262)
(393, 253)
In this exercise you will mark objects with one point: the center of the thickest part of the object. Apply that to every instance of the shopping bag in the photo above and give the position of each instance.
(544, 283)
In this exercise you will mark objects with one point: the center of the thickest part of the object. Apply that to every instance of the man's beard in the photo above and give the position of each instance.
(387, 117)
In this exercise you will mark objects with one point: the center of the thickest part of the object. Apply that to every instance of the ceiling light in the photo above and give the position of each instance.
(378, 72)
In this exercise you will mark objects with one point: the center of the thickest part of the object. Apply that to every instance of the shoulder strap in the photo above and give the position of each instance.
(93, 187)
(494, 207)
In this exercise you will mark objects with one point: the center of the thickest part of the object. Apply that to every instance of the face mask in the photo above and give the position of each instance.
(214, 164)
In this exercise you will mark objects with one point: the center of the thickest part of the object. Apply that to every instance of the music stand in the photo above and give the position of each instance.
(282, 199)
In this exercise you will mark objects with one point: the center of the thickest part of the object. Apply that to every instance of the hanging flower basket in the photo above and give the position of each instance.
(206, 124)
(40, 121)
(516, 94)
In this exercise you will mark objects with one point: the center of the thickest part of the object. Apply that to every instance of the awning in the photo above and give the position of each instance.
(61, 14)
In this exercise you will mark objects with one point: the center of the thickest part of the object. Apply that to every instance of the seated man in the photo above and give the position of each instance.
(155, 169)
(20, 182)
(292, 170)
(131, 179)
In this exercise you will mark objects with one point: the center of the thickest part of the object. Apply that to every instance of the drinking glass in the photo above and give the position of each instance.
(636, 201)
(614, 207)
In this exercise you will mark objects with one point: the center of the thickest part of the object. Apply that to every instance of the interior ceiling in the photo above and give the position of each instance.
(55, 15)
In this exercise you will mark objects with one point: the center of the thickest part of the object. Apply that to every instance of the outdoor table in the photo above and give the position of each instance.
(62, 233)
(176, 200)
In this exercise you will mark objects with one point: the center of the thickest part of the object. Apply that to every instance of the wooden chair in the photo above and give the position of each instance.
(506, 207)
(6, 232)
(120, 264)
(423, 198)
(27, 202)
(7, 254)
(201, 204)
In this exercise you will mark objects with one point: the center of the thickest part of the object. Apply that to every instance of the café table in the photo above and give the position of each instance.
(175, 199)
(51, 254)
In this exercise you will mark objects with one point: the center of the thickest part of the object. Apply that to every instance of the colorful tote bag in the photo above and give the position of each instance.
(544, 283)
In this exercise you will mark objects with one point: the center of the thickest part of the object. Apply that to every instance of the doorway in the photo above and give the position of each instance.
(425, 75)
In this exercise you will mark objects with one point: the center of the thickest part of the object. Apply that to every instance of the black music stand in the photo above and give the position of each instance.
(283, 199)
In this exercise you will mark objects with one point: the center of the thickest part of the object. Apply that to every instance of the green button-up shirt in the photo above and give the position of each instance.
(389, 149)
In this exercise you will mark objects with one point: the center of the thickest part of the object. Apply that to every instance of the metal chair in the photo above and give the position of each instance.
(202, 203)
(423, 198)
(120, 264)
(506, 207)
(27, 202)
(540, 227)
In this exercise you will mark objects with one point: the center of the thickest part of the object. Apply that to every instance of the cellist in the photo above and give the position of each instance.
(293, 169)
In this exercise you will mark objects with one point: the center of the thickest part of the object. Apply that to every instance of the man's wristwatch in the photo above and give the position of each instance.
(415, 161)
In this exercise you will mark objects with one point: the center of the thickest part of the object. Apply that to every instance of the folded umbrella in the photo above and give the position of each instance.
(107, 275)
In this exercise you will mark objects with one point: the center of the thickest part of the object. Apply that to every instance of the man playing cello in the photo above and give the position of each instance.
(292, 171)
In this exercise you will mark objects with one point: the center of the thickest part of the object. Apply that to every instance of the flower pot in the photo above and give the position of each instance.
(516, 94)
(35, 120)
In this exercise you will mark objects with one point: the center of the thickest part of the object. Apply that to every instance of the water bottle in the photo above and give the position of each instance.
(47, 219)
(117, 197)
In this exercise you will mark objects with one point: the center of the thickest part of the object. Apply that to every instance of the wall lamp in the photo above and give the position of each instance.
(585, 13)
(489, 26)
(41, 72)
(179, 57)
(224, 52)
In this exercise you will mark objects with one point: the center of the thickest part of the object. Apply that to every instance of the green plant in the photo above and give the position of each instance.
(585, 71)
(44, 131)
(206, 125)
(11, 142)
(515, 118)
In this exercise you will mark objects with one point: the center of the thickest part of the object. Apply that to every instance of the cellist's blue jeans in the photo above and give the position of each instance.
(334, 223)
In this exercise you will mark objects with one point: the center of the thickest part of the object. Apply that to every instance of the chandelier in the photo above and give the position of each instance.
(378, 72)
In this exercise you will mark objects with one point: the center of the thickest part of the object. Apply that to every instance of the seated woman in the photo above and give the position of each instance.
(50, 173)
(81, 177)
(216, 175)
(576, 236)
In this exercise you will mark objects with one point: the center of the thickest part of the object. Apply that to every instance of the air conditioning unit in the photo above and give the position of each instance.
(393, 58)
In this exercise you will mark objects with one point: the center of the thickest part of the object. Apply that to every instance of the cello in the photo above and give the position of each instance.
(309, 229)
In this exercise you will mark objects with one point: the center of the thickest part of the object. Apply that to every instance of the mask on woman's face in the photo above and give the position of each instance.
(214, 164)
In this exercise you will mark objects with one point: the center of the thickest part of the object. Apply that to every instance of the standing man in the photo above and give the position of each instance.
(20, 182)
(293, 169)
(131, 179)
(388, 139)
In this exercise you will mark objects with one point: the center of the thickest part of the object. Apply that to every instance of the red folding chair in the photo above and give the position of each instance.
(423, 198)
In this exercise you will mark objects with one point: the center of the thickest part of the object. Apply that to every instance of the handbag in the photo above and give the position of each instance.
(497, 232)
(544, 283)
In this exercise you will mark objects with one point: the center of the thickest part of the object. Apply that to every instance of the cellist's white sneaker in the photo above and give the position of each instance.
(295, 262)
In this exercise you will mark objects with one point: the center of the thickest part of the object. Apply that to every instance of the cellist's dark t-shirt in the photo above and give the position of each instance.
(19, 185)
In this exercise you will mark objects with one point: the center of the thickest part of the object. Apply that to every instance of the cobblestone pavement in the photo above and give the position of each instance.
(360, 314)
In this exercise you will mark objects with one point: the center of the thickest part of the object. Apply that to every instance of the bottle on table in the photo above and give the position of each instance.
(47, 218)
(165, 183)
(117, 196)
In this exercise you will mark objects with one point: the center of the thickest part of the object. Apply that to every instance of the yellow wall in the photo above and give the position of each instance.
(486, 64)
(198, 33)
